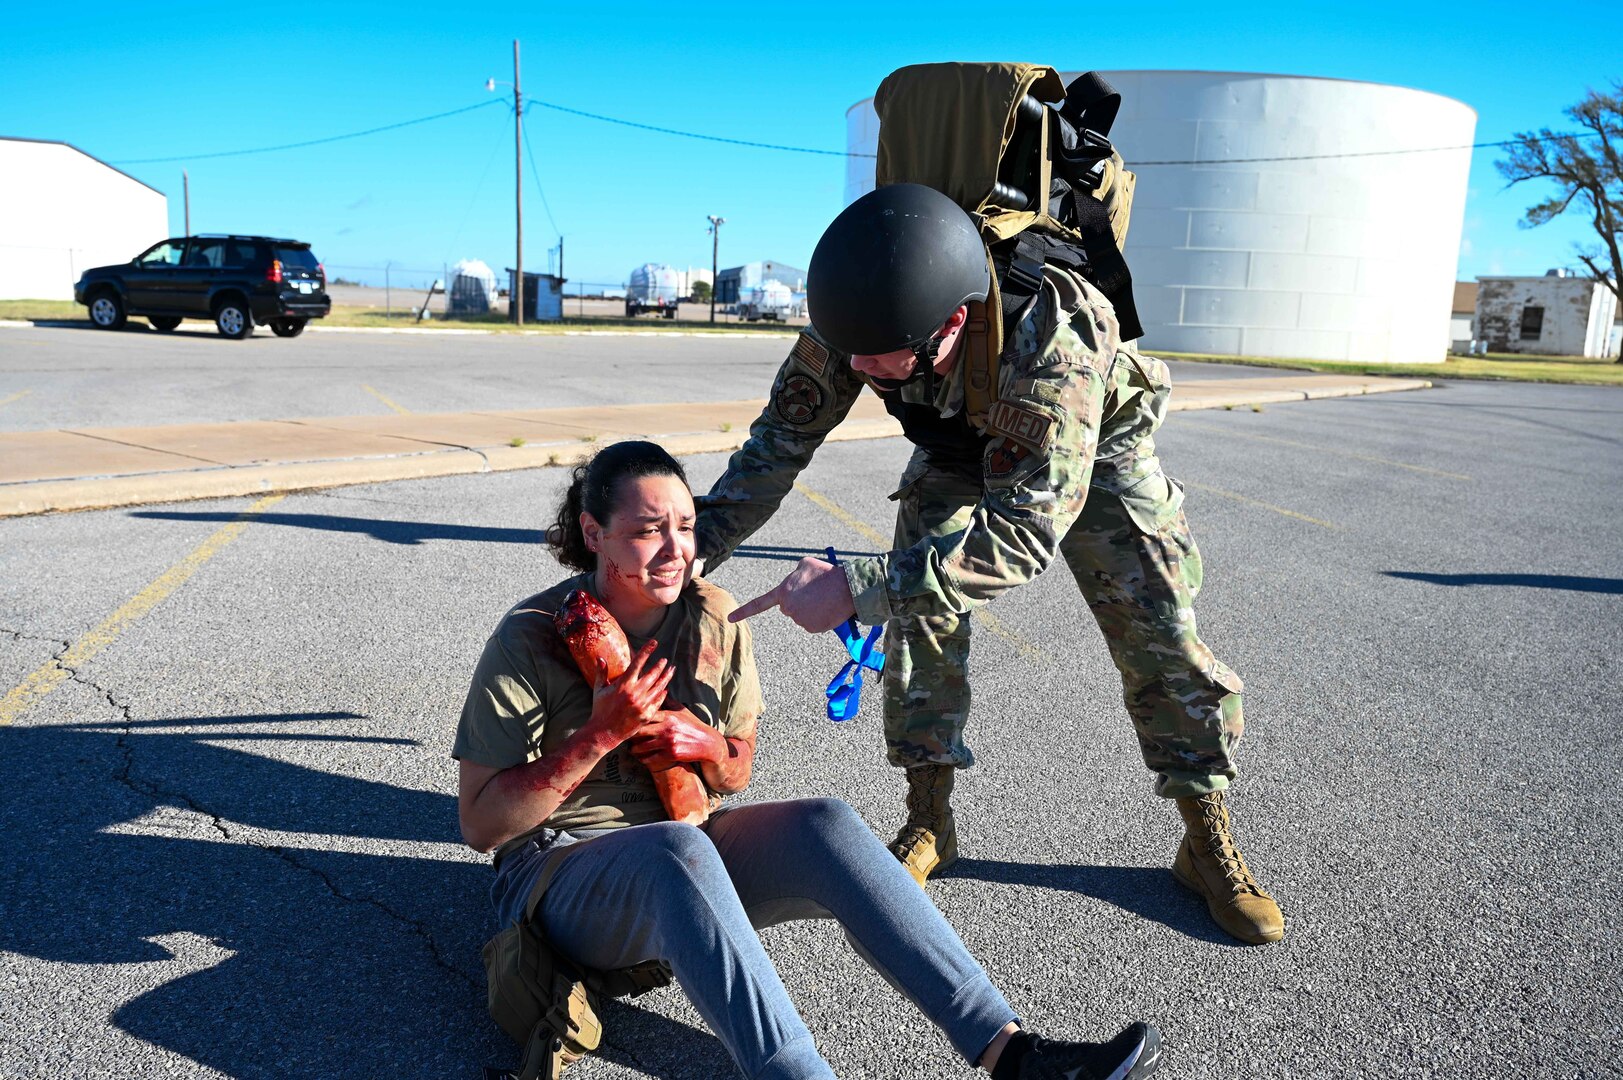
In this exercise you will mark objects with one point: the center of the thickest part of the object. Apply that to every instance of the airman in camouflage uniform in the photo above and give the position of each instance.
(1066, 466)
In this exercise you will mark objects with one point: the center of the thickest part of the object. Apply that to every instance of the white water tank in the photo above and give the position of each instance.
(1304, 254)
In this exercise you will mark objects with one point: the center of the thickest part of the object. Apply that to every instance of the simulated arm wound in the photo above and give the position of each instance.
(732, 775)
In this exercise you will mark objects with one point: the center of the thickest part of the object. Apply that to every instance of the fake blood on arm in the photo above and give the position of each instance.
(594, 636)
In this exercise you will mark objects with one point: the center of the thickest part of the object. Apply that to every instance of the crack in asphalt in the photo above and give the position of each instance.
(126, 776)
(24, 635)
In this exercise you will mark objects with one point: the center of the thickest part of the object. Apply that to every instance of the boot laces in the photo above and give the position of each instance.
(922, 819)
(1219, 842)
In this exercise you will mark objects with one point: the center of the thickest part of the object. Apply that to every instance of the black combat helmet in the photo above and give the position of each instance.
(892, 267)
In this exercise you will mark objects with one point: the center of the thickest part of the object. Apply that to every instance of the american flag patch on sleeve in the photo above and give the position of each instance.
(812, 355)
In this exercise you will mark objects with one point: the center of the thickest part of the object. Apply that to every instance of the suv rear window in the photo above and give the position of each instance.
(301, 257)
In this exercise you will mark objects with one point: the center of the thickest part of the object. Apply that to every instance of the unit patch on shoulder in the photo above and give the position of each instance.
(799, 399)
(1004, 457)
(1022, 423)
(813, 355)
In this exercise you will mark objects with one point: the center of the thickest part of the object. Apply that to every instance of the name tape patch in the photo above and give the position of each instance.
(812, 356)
(1022, 423)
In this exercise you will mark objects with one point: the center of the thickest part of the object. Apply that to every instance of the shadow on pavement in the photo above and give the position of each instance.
(390, 532)
(320, 953)
(1567, 582)
(1149, 892)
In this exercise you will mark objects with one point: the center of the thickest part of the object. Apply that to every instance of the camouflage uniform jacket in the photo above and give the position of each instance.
(1076, 409)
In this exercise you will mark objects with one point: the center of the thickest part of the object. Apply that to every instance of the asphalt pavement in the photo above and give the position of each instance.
(232, 845)
(73, 376)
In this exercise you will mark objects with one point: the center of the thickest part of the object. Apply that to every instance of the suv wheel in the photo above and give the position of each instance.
(163, 322)
(288, 327)
(232, 318)
(107, 310)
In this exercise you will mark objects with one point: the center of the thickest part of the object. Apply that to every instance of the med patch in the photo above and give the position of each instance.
(1024, 424)
(812, 354)
(798, 400)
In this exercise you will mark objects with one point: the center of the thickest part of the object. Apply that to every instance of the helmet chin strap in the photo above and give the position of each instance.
(925, 354)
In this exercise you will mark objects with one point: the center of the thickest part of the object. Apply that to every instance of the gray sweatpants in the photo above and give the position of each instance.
(693, 897)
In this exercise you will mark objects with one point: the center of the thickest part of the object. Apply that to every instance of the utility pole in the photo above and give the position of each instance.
(715, 242)
(518, 188)
(186, 187)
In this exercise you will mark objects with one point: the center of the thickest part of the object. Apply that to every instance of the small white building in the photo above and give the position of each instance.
(693, 275)
(1462, 318)
(63, 211)
(1558, 314)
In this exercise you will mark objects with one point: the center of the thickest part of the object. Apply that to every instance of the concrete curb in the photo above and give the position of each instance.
(24, 498)
(220, 482)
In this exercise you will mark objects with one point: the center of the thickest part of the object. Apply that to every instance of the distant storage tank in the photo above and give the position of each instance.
(472, 289)
(654, 287)
(1302, 255)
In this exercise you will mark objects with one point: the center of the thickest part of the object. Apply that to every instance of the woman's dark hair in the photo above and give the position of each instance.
(594, 486)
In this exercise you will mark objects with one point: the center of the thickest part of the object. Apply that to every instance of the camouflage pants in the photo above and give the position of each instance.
(1140, 578)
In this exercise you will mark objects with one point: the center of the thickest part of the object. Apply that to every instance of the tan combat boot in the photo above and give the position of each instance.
(929, 840)
(1209, 863)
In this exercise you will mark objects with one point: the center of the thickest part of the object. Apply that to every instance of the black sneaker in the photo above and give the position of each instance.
(1133, 1054)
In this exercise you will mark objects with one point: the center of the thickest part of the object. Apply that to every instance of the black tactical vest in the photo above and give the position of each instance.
(950, 442)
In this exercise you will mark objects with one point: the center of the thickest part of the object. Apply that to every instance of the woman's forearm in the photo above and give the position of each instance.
(518, 799)
(732, 773)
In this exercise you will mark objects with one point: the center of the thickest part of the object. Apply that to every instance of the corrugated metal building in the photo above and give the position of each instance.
(751, 275)
(62, 211)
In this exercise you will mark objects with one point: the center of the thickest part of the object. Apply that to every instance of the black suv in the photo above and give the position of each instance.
(238, 281)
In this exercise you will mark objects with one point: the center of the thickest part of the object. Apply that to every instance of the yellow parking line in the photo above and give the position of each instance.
(52, 674)
(18, 396)
(386, 401)
(991, 622)
(1249, 501)
(1225, 432)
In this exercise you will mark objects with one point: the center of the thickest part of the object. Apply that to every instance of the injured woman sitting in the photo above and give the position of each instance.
(608, 717)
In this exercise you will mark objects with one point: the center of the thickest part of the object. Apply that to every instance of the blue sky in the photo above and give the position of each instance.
(168, 80)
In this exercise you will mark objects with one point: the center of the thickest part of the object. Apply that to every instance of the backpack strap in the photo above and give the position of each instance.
(984, 338)
(1107, 267)
(1091, 103)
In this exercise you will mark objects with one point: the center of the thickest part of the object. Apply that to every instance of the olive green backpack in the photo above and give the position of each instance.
(1031, 160)
(548, 1006)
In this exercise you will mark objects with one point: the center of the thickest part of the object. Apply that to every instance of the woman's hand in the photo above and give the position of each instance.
(622, 706)
(676, 737)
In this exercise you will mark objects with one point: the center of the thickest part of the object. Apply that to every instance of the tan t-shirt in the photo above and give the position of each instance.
(528, 696)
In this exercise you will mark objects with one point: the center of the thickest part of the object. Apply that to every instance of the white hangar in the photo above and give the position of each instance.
(62, 211)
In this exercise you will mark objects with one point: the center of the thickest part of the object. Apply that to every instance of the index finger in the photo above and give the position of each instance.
(765, 602)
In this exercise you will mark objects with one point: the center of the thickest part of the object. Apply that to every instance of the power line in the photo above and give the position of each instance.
(693, 134)
(535, 173)
(309, 142)
(477, 188)
(1131, 164)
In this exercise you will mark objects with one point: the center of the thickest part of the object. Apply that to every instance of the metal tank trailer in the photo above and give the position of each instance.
(1281, 224)
(654, 288)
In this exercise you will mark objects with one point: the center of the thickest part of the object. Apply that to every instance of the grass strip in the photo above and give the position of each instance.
(1495, 367)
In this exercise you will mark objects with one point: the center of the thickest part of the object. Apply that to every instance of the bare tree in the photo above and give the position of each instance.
(1587, 166)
